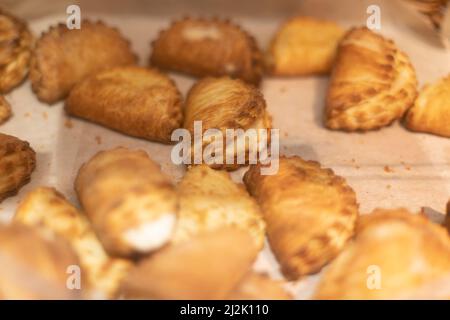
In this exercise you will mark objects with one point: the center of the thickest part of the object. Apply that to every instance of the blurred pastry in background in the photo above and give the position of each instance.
(431, 110)
(257, 286)
(395, 255)
(5, 110)
(372, 84)
(16, 42)
(208, 47)
(140, 102)
(303, 46)
(62, 57)
(17, 162)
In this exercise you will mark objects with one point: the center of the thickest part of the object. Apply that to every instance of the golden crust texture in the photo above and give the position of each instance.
(255, 286)
(303, 46)
(210, 200)
(34, 267)
(136, 101)
(447, 218)
(213, 47)
(5, 110)
(16, 42)
(131, 204)
(225, 103)
(208, 266)
(310, 213)
(431, 110)
(48, 211)
(395, 255)
(373, 83)
(62, 57)
(17, 162)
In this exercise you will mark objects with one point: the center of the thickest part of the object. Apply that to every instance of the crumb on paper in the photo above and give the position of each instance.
(68, 124)
(388, 169)
(45, 115)
(283, 89)
(285, 134)
(27, 115)
(98, 139)
(407, 167)
(388, 186)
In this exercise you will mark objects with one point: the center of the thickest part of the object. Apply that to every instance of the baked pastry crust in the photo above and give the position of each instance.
(256, 286)
(137, 101)
(372, 84)
(17, 162)
(202, 47)
(62, 57)
(303, 46)
(5, 110)
(431, 110)
(16, 43)
(409, 251)
(310, 213)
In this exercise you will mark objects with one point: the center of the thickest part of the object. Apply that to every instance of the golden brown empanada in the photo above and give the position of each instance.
(17, 162)
(35, 267)
(372, 84)
(309, 212)
(63, 57)
(431, 110)
(256, 286)
(16, 42)
(47, 210)
(210, 200)
(213, 47)
(5, 110)
(395, 255)
(131, 204)
(208, 266)
(224, 103)
(303, 46)
(136, 101)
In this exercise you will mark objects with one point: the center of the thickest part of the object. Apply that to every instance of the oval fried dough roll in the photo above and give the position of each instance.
(431, 110)
(140, 102)
(372, 84)
(34, 267)
(208, 266)
(63, 56)
(17, 162)
(209, 200)
(304, 46)
(47, 210)
(224, 103)
(203, 47)
(5, 110)
(131, 204)
(395, 254)
(255, 286)
(16, 42)
(309, 212)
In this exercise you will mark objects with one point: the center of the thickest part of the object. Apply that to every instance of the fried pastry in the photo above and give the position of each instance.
(34, 267)
(256, 286)
(395, 254)
(310, 213)
(5, 110)
(303, 46)
(62, 57)
(201, 47)
(16, 42)
(431, 110)
(131, 204)
(209, 200)
(224, 103)
(17, 162)
(208, 266)
(136, 101)
(47, 210)
(372, 84)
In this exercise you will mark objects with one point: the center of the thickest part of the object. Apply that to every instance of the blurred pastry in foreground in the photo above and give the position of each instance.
(16, 43)
(137, 101)
(214, 47)
(395, 255)
(35, 267)
(372, 84)
(431, 110)
(17, 162)
(62, 57)
(210, 200)
(256, 286)
(131, 204)
(5, 110)
(303, 46)
(310, 213)
(208, 266)
(49, 212)
(221, 104)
